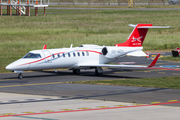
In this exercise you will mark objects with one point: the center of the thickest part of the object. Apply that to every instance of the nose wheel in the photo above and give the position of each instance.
(20, 76)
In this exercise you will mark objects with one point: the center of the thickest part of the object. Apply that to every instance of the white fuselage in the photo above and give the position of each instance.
(70, 57)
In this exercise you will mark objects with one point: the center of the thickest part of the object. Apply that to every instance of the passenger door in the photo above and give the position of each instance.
(48, 56)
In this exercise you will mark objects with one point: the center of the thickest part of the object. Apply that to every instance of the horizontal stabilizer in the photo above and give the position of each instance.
(154, 27)
(137, 54)
(131, 25)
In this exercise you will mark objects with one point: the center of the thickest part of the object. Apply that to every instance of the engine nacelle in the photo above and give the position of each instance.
(112, 52)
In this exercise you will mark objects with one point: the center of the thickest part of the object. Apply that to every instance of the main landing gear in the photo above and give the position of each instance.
(20, 76)
(98, 71)
(76, 71)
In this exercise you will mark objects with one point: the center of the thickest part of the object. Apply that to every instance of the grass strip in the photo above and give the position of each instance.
(163, 82)
(171, 58)
(115, 6)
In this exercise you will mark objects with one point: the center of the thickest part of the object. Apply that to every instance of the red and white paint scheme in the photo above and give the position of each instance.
(86, 56)
(177, 49)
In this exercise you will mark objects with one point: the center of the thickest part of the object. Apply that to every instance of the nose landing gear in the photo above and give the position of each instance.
(20, 76)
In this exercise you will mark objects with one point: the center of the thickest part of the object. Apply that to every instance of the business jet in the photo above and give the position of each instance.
(86, 56)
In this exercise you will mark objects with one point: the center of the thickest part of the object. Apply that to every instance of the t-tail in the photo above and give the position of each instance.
(137, 36)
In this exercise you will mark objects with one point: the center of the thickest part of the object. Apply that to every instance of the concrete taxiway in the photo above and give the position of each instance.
(32, 107)
(60, 100)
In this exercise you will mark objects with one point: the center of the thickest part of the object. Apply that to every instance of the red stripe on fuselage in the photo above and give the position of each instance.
(90, 51)
(33, 61)
(60, 53)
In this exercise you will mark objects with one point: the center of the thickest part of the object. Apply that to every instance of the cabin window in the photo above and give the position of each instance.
(63, 55)
(53, 55)
(58, 55)
(78, 54)
(74, 54)
(83, 53)
(69, 55)
(32, 55)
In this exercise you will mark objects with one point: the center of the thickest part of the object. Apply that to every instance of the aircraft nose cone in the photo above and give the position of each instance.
(9, 67)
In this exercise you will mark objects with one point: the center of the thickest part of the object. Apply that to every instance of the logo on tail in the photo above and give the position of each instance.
(136, 39)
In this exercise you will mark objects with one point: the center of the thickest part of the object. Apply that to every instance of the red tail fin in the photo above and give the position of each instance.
(137, 36)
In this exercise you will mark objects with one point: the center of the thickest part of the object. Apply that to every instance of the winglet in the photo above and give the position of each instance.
(44, 46)
(154, 61)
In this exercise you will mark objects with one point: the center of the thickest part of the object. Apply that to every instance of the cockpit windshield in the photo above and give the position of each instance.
(32, 55)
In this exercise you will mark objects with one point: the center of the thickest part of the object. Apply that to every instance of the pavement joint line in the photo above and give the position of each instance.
(35, 118)
(54, 97)
(81, 110)
(31, 84)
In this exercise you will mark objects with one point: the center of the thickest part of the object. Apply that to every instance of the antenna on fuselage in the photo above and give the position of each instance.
(71, 45)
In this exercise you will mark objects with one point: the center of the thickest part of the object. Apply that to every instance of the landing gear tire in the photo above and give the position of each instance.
(76, 71)
(97, 73)
(20, 76)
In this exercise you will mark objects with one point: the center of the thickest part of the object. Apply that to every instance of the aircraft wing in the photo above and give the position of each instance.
(110, 65)
(130, 66)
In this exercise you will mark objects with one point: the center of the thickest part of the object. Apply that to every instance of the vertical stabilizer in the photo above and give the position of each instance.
(137, 36)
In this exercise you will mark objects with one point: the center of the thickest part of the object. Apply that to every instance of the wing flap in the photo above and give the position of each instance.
(129, 66)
